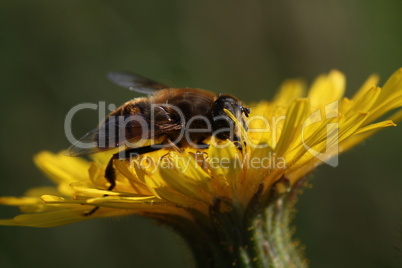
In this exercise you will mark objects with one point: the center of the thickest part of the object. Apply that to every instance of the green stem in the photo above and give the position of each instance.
(254, 237)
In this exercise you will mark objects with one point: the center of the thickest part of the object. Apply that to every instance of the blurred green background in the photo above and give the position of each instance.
(55, 54)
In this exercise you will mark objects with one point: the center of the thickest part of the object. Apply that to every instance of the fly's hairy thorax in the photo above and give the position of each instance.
(170, 113)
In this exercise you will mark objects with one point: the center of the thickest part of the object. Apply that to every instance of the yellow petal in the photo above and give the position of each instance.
(349, 126)
(48, 219)
(366, 101)
(225, 164)
(289, 91)
(61, 168)
(393, 84)
(136, 184)
(25, 204)
(327, 88)
(66, 215)
(19, 201)
(39, 191)
(57, 199)
(378, 125)
(186, 177)
(369, 83)
(393, 101)
(363, 134)
(295, 118)
(396, 117)
(88, 191)
(133, 203)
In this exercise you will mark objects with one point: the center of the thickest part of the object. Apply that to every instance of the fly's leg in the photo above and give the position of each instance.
(110, 176)
(110, 172)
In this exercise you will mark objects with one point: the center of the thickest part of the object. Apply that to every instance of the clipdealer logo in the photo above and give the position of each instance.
(326, 150)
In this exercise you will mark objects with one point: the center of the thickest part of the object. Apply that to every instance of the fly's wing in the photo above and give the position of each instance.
(117, 131)
(135, 82)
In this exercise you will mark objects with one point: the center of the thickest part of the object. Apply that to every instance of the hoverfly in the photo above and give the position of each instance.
(167, 115)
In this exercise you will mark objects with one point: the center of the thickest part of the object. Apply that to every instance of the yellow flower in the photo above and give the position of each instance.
(287, 138)
(173, 182)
